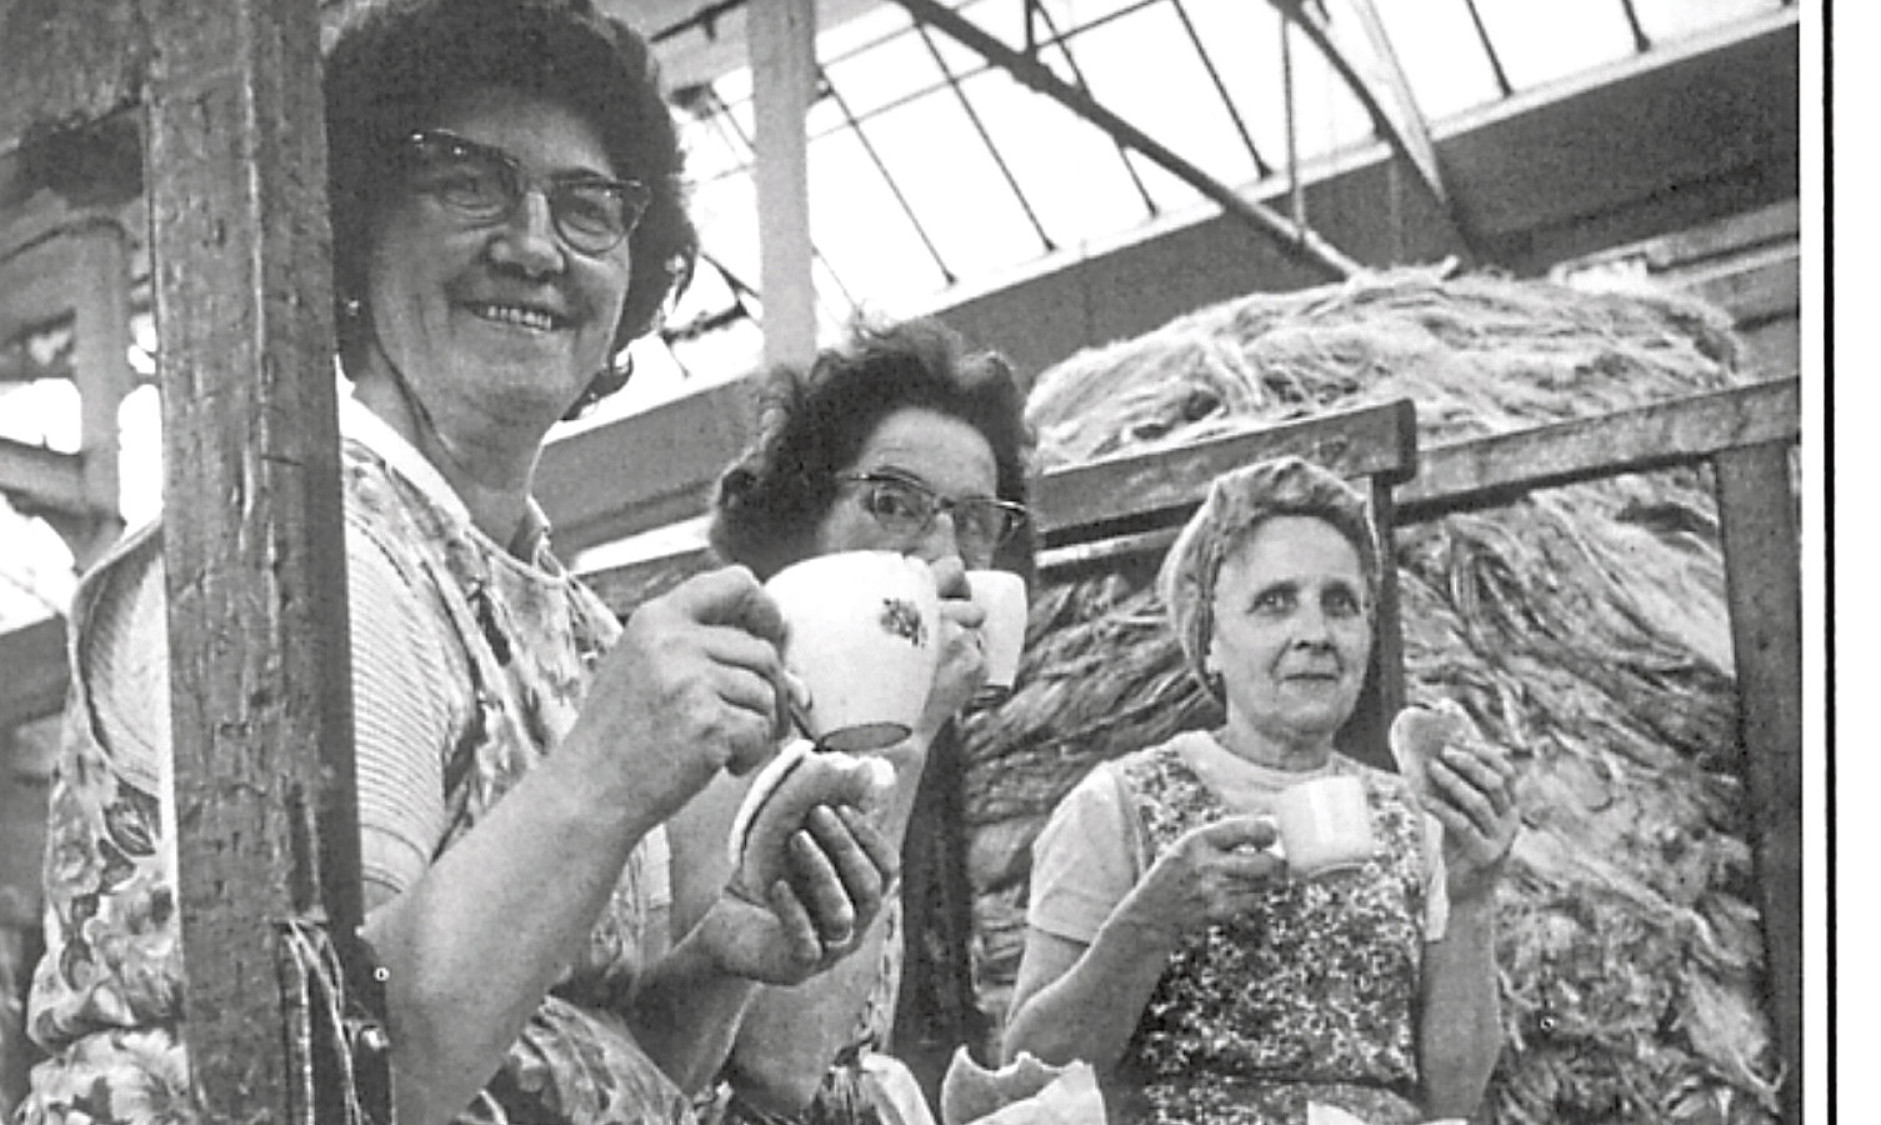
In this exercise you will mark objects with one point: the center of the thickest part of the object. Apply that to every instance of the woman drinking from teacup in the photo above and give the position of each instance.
(1169, 942)
(905, 441)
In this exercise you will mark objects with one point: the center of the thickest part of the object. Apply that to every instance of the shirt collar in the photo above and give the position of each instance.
(358, 423)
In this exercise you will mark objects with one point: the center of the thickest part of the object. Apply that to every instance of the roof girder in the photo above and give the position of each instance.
(1300, 241)
(1387, 98)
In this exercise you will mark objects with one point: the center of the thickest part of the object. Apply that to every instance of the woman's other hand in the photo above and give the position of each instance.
(1212, 874)
(842, 870)
(1471, 793)
(962, 666)
(692, 687)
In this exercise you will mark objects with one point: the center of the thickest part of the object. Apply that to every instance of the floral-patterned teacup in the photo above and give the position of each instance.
(865, 639)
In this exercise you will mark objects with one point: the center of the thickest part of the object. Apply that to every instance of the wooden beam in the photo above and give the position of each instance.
(1093, 500)
(42, 478)
(1758, 287)
(101, 369)
(36, 284)
(32, 672)
(1763, 580)
(1386, 96)
(1488, 472)
(261, 692)
(783, 69)
(643, 472)
(1096, 512)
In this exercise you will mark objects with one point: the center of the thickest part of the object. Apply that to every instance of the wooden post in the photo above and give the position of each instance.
(101, 340)
(253, 534)
(1763, 579)
(783, 77)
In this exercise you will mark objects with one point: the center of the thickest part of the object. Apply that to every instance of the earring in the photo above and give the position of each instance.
(619, 369)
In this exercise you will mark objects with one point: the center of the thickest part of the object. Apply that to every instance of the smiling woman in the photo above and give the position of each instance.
(506, 212)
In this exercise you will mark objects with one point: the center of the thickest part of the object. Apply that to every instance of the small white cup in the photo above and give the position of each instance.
(1325, 825)
(1001, 593)
(865, 639)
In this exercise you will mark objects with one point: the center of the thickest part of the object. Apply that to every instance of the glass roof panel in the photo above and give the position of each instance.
(862, 32)
(1327, 114)
(726, 212)
(942, 166)
(1141, 62)
(1540, 43)
(1670, 20)
(1173, 101)
(714, 146)
(1441, 55)
(1070, 170)
(860, 228)
(887, 72)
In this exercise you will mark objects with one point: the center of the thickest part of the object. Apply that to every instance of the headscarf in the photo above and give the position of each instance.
(1239, 501)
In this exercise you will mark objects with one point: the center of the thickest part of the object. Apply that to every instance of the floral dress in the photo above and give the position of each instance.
(524, 636)
(1310, 998)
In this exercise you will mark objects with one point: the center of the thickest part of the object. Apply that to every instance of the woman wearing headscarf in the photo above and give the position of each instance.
(507, 213)
(1167, 944)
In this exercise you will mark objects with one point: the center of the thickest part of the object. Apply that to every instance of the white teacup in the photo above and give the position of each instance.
(865, 639)
(1001, 593)
(1325, 825)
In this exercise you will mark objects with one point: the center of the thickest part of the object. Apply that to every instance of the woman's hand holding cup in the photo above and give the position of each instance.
(1214, 873)
(694, 685)
(962, 667)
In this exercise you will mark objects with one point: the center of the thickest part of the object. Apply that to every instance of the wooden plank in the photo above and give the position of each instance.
(624, 587)
(1763, 579)
(101, 343)
(1779, 222)
(261, 689)
(1368, 735)
(1488, 472)
(1080, 509)
(36, 284)
(1090, 500)
(1753, 289)
(42, 478)
(32, 672)
(784, 79)
(643, 472)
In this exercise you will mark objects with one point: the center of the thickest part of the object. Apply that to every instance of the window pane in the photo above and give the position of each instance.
(859, 228)
(953, 185)
(1069, 169)
(1670, 20)
(1442, 57)
(726, 213)
(1539, 43)
(1170, 98)
(887, 72)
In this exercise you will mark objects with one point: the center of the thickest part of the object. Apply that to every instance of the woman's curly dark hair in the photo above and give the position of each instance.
(394, 69)
(813, 425)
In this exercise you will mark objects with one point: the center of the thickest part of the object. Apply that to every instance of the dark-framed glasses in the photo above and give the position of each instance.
(907, 509)
(484, 185)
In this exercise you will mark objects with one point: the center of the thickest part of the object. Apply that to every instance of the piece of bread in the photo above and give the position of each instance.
(1419, 734)
(781, 797)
